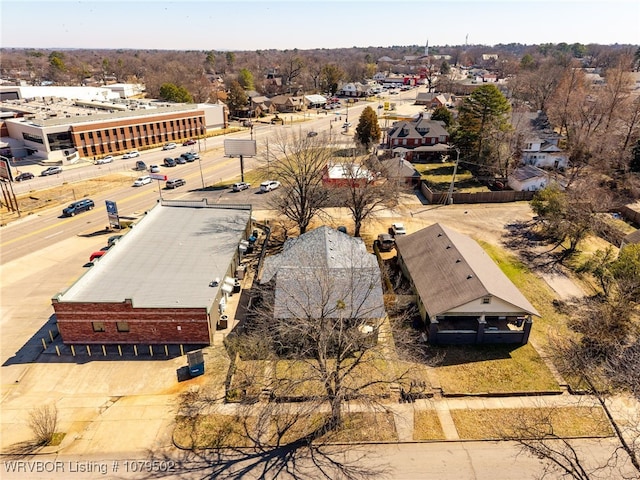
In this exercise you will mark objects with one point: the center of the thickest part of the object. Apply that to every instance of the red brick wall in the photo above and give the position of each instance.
(146, 325)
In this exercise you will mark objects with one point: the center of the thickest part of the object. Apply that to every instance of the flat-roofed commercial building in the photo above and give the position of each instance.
(67, 129)
(161, 283)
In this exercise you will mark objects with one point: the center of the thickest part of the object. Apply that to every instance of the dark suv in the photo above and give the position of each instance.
(78, 207)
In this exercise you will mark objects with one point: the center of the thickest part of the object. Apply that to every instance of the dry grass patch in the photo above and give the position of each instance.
(475, 369)
(366, 427)
(213, 431)
(426, 425)
(249, 379)
(565, 422)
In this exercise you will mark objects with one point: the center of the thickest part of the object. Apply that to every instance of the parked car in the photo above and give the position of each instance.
(312, 134)
(269, 185)
(111, 241)
(386, 242)
(51, 171)
(189, 142)
(346, 124)
(169, 146)
(78, 207)
(140, 165)
(398, 228)
(131, 154)
(154, 168)
(175, 183)
(238, 187)
(142, 181)
(247, 123)
(103, 160)
(97, 254)
(180, 160)
(169, 162)
(23, 176)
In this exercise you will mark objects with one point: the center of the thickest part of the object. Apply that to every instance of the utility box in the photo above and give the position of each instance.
(196, 363)
(240, 272)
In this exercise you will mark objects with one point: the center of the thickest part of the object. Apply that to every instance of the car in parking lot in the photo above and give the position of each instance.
(346, 124)
(142, 181)
(398, 229)
(95, 255)
(175, 183)
(78, 207)
(131, 154)
(189, 142)
(238, 187)
(269, 185)
(23, 176)
(111, 241)
(312, 134)
(51, 171)
(169, 146)
(154, 168)
(169, 162)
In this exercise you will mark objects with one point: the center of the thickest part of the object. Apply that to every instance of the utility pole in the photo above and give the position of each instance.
(449, 199)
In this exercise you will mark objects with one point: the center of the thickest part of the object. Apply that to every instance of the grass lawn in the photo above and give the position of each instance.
(531, 422)
(438, 176)
(535, 290)
(426, 426)
(219, 431)
(475, 369)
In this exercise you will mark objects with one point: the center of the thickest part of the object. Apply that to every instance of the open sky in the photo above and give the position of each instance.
(302, 24)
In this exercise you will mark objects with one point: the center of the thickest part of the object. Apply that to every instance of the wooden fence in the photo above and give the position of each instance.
(479, 197)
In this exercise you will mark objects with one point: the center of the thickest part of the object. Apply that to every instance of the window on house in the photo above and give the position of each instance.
(122, 326)
(486, 300)
(98, 326)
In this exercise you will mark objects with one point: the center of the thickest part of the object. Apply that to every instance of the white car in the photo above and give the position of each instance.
(142, 181)
(269, 185)
(154, 168)
(131, 154)
(103, 160)
(398, 228)
(169, 146)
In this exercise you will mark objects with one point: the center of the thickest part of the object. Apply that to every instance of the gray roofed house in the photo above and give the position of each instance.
(401, 170)
(463, 296)
(528, 179)
(325, 273)
(422, 136)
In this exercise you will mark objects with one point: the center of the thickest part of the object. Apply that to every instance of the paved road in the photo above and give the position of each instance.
(441, 461)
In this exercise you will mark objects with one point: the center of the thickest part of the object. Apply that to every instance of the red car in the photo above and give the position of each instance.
(189, 142)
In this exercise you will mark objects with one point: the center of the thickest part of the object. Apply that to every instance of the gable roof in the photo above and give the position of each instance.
(321, 268)
(528, 172)
(449, 269)
(399, 168)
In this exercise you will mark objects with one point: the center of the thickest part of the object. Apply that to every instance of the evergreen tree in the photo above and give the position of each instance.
(368, 131)
(443, 114)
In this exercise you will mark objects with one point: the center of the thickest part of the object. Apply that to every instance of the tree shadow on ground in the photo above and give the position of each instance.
(537, 252)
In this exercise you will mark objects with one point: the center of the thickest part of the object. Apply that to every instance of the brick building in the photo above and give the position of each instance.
(165, 282)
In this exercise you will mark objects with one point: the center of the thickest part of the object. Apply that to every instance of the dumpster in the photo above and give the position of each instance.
(196, 363)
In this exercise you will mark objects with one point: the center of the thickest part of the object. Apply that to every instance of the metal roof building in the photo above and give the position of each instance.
(160, 275)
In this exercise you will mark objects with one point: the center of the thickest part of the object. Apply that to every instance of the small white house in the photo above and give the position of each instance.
(528, 179)
(544, 153)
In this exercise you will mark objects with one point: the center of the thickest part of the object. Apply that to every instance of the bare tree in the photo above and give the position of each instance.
(298, 161)
(366, 189)
(43, 422)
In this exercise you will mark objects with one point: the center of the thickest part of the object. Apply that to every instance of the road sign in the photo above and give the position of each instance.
(157, 176)
(112, 213)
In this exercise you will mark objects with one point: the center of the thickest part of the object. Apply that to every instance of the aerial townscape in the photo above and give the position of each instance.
(403, 261)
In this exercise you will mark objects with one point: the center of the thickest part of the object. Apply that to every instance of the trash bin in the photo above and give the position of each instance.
(223, 322)
(196, 363)
(236, 287)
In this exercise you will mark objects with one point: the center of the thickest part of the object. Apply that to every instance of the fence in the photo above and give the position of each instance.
(478, 197)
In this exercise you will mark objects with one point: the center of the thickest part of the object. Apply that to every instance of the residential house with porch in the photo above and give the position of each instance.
(462, 295)
(540, 143)
(288, 103)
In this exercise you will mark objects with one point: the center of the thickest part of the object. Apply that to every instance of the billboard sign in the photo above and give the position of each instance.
(112, 213)
(5, 169)
(157, 176)
(237, 147)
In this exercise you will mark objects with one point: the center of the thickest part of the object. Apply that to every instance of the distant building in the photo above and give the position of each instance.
(97, 121)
